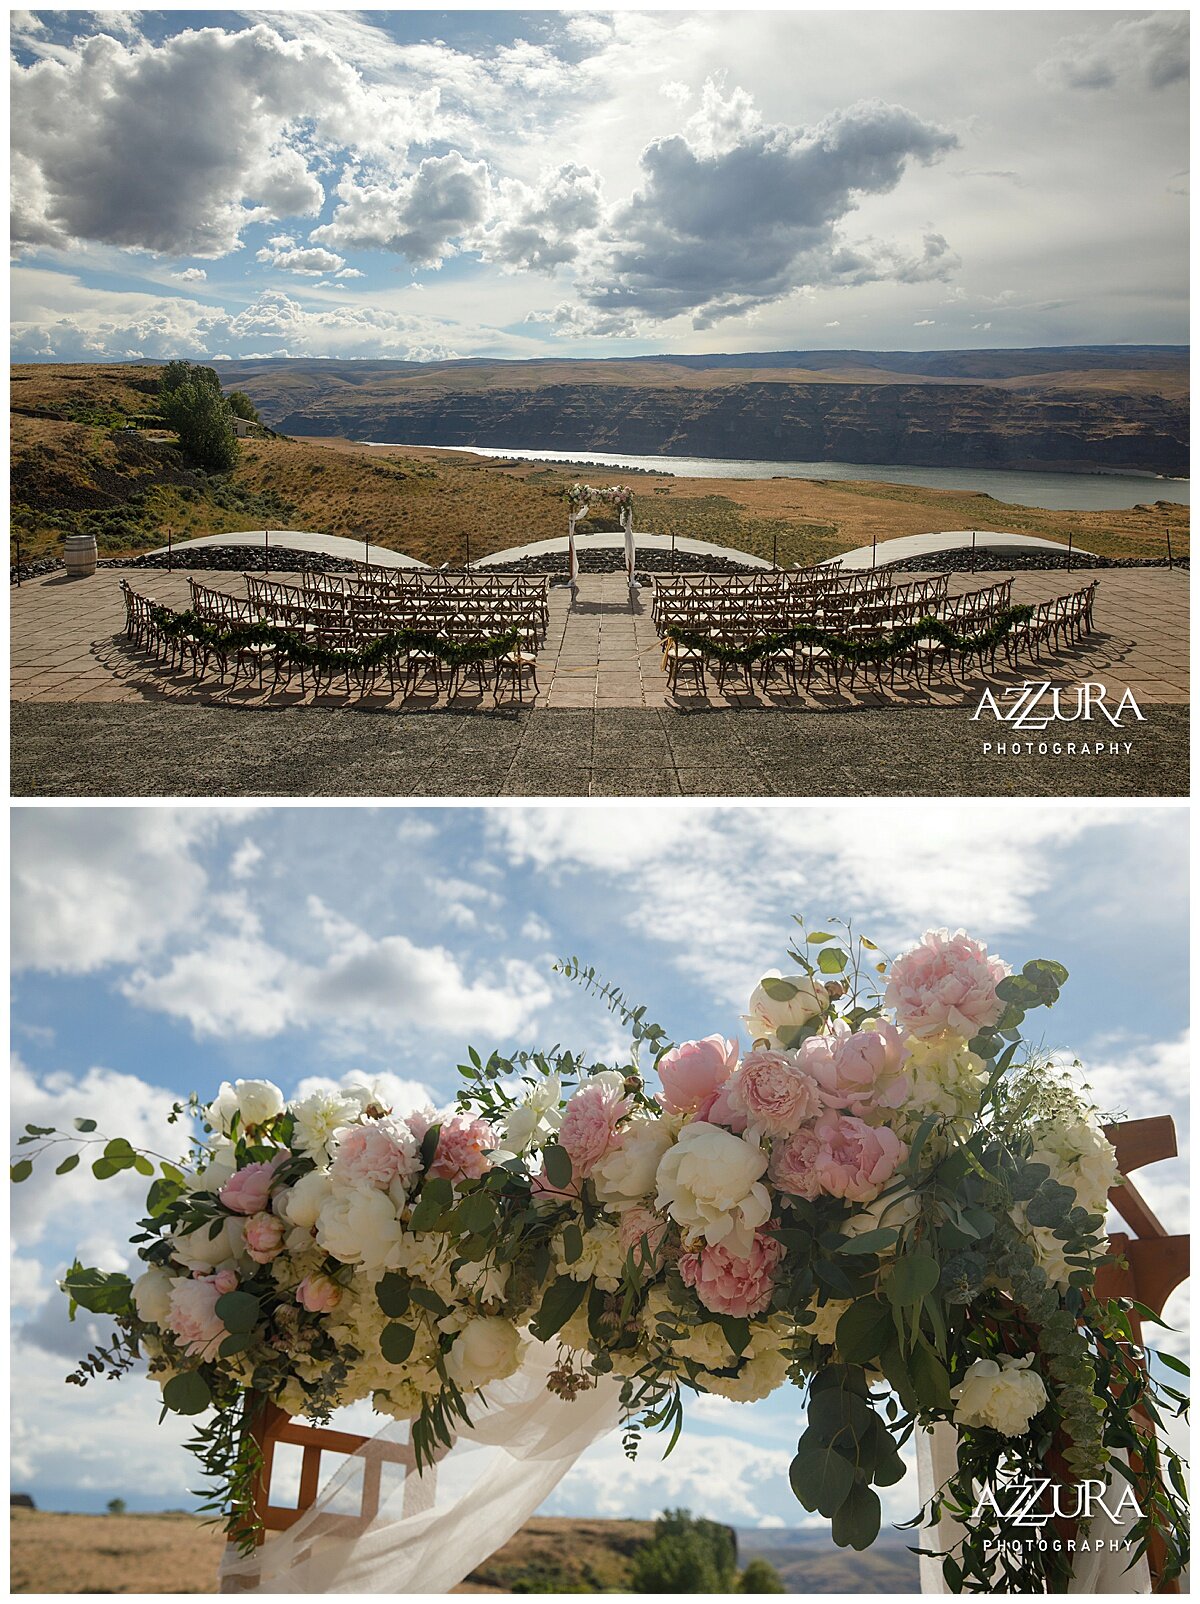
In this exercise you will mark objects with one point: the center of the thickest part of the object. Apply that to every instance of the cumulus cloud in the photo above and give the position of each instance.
(1145, 51)
(421, 217)
(308, 260)
(540, 227)
(191, 275)
(734, 214)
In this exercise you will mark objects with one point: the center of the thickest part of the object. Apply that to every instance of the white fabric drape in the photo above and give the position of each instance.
(432, 1530)
(572, 554)
(1098, 1571)
(627, 526)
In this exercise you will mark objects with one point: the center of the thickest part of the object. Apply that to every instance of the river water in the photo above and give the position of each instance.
(1087, 492)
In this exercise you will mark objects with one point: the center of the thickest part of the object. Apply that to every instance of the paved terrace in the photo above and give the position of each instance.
(601, 652)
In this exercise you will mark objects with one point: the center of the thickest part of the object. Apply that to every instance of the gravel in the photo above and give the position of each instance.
(1003, 560)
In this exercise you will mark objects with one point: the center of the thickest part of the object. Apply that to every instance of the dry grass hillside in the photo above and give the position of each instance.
(73, 468)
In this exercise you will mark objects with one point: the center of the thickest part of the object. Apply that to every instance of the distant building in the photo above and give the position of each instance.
(244, 427)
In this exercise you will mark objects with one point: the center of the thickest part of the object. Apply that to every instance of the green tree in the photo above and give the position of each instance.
(204, 424)
(685, 1556)
(760, 1576)
(178, 373)
(115, 1506)
(240, 404)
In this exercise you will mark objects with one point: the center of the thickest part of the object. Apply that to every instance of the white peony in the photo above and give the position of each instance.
(302, 1203)
(256, 1101)
(222, 1162)
(767, 1016)
(628, 1174)
(487, 1349)
(1004, 1396)
(318, 1116)
(710, 1182)
(152, 1295)
(534, 1118)
(889, 1210)
(202, 1252)
(359, 1226)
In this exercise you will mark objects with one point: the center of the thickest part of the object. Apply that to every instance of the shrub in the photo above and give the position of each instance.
(240, 404)
(204, 424)
(760, 1576)
(685, 1556)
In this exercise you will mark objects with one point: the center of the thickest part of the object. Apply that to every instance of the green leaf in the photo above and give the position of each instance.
(832, 961)
(162, 1194)
(429, 1144)
(99, 1291)
(778, 989)
(143, 1165)
(85, 1125)
(21, 1170)
(239, 1311)
(187, 1394)
(436, 1197)
(790, 1036)
(103, 1168)
(39, 1130)
(913, 1276)
(557, 1162)
(396, 1343)
(394, 1295)
(562, 1299)
(930, 1379)
(737, 1332)
(817, 937)
(871, 1241)
(235, 1344)
(572, 1243)
(427, 1298)
(864, 1330)
(475, 1214)
(68, 1164)
(821, 1477)
(1172, 1363)
(856, 1522)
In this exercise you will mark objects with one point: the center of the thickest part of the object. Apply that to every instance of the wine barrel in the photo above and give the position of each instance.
(80, 556)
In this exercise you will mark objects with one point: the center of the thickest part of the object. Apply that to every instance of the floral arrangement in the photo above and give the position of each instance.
(887, 1198)
(579, 497)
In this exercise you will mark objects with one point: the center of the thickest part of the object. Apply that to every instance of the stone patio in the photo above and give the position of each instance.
(601, 652)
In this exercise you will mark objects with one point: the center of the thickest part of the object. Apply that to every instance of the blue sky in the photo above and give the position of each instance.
(424, 185)
(161, 950)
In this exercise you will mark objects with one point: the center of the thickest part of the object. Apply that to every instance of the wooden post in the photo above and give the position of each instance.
(266, 551)
(1170, 559)
(169, 557)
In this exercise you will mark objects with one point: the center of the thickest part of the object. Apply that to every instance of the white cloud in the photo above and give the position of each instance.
(535, 929)
(245, 860)
(1145, 51)
(190, 275)
(99, 886)
(307, 260)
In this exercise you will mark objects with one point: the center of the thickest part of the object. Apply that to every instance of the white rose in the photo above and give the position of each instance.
(627, 1175)
(486, 1350)
(302, 1203)
(258, 1101)
(359, 1227)
(152, 1295)
(1004, 1396)
(317, 1117)
(710, 1183)
(767, 1016)
(199, 1251)
(886, 1211)
(536, 1116)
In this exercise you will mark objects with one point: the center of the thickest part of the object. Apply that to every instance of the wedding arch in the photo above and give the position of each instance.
(889, 1199)
(579, 502)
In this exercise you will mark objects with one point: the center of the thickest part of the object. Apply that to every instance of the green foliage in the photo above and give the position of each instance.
(178, 375)
(686, 1555)
(760, 1576)
(198, 413)
(240, 404)
(115, 1506)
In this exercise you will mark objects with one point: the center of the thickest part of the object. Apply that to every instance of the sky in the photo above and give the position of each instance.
(157, 951)
(427, 185)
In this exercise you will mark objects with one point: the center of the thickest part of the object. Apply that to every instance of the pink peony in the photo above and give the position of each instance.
(464, 1144)
(590, 1119)
(859, 1070)
(248, 1191)
(854, 1160)
(693, 1071)
(946, 984)
(793, 1163)
(192, 1315)
(728, 1285)
(263, 1237)
(318, 1294)
(718, 1110)
(376, 1155)
(639, 1222)
(419, 1122)
(774, 1092)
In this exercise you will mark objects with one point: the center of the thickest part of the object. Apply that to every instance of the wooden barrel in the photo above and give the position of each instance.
(80, 556)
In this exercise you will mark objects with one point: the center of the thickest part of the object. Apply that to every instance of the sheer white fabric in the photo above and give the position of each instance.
(1103, 1571)
(627, 526)
(432, 1530)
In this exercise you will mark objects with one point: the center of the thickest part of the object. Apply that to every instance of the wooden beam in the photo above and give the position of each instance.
(1143, 1141)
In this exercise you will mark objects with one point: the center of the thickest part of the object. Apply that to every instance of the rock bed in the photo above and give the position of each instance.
(1001, 560)
(611, 560)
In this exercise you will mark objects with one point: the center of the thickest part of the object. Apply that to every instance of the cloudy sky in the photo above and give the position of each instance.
(418, 185)
(159, 951)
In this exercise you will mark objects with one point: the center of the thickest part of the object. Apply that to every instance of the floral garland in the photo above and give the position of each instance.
(306, 653)
(619, 496)
(851, 648)
(889, 1199)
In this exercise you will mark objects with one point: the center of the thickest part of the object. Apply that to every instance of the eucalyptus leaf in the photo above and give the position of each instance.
(187, 1393)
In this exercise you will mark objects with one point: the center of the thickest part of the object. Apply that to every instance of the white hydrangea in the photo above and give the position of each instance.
(945, 1078)
(601, 1261)
(1079, 1155)
(824, 1324)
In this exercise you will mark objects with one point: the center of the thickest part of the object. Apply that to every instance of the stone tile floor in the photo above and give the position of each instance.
(601, 651)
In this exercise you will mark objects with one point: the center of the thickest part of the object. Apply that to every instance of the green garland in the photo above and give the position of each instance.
(306, 653)
(854, 650)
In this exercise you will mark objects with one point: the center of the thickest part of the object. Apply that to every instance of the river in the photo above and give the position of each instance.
(1087, 492)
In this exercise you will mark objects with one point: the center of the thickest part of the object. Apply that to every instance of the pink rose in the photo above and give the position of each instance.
(728, 1285)
(318, 1294)
(692, 1072)
(859, 1070)
(192, 1315)
(376, 1155)
(463, 1148)
(947, 983)
(774, 1092)
(639, 1222)
(225, 1281)
(248, 1191)
(793, 1163)
(263, 1237)
(590, 1119)
(854, 1160)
